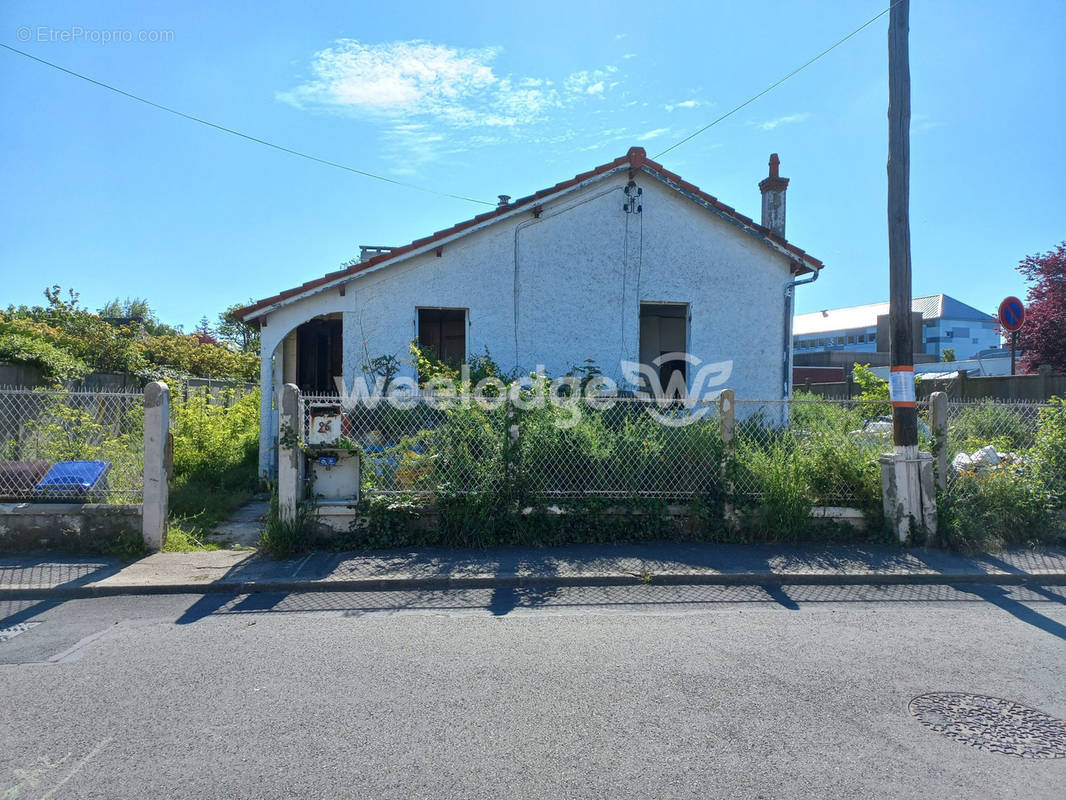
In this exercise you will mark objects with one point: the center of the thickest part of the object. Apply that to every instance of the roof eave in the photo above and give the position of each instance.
(523, 206)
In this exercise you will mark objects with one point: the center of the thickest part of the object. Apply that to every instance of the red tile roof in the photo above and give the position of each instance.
(636, 158)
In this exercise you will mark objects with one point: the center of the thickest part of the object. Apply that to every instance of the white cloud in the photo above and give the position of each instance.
(402, 79)
(684, 104)
(769, 125)
(589, 81)
(628, 56)
(431, 99)
(652, 134)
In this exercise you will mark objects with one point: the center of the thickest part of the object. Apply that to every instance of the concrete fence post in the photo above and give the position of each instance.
(289, 452)
(727, 418)
(938, 421)
(156, 492)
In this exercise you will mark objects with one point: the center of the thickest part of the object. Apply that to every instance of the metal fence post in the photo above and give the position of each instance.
(155, 495)
(289, 452)
(938, 418)
(728, 421)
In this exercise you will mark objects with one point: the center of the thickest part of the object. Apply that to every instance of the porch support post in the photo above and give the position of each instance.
(288, 452)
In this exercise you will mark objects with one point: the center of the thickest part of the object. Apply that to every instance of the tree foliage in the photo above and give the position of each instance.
(235, 331)
(1043, 337)
(66, 341)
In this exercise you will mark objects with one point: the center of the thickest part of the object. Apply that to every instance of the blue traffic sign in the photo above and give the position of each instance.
(1011, 314)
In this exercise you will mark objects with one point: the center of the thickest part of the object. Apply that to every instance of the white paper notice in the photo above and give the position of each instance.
(901, 387)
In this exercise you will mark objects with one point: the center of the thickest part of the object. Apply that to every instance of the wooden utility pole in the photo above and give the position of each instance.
(904, 413)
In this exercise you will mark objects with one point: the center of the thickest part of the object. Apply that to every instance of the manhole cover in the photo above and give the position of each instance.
(992, 723)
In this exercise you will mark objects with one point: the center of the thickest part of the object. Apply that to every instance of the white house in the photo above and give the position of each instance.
(625, 262)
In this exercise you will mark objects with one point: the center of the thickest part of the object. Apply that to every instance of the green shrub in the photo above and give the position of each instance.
(216, 456)
(1049, 448)
(989, 423)
(874, 395)
(53, 361)
(215, 444)
(776, 490)
(843, 473)
(288, 538)
(190, 355)
(992, 509)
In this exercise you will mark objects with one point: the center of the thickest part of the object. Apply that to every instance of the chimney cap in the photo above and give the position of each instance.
(773, 182)
(505, 199)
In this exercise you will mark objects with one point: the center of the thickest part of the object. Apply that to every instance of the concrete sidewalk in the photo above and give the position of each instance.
(39, 575)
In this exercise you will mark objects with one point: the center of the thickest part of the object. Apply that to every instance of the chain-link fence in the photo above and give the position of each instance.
(78, 446)
(619, 447)
(988, 438)
(798, 453)
(810, 452)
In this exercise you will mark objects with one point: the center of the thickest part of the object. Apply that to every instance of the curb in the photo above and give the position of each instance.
(522, 581)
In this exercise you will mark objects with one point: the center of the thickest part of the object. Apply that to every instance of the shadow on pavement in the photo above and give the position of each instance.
(46, 569)
(501, 602)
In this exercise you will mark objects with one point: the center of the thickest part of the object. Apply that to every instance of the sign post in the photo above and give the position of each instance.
(1012, 317)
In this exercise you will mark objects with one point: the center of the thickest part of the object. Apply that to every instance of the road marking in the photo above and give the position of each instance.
(15, 630)
(96, 749)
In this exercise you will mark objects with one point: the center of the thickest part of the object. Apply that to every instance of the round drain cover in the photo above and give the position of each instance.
(992, 723)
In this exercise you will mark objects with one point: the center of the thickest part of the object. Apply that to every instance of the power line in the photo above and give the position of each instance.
(255, 139)
(773, 86)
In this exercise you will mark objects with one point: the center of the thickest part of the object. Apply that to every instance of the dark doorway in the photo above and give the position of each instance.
(319, 355)
(664, 331)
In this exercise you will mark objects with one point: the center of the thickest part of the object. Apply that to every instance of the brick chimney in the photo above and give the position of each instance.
(773, 198)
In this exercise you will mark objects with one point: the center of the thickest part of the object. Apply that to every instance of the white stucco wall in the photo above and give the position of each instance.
(582, 270)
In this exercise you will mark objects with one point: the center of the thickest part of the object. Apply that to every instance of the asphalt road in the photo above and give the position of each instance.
(637, 692)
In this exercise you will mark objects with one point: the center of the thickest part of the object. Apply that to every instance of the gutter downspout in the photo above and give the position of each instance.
(786, 355)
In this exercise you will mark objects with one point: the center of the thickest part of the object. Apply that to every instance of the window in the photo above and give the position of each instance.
(821, 342)
(851, 340)
(442, 334)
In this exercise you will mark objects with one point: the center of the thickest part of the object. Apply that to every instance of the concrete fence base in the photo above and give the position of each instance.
(73, 527)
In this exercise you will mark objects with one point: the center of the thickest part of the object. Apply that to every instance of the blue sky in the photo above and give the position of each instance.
(114, 198)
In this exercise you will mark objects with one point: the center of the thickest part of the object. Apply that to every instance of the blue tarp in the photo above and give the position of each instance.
(76, 478)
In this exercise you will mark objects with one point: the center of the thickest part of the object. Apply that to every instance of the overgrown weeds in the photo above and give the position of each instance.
(285, 538)
(216, 455)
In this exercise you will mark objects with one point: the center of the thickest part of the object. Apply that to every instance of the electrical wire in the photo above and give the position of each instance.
(774, 85)
(250, 138)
